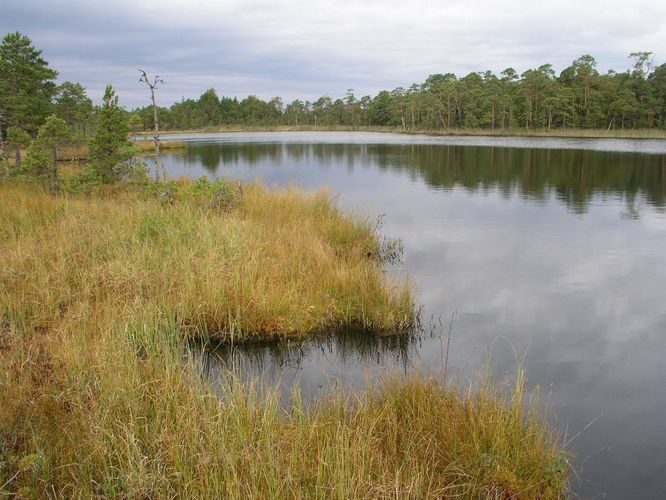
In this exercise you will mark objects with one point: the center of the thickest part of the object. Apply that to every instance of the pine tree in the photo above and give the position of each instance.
(42, 155)
(110, 147)
(26, 85)
(73, 105)
(17, 139)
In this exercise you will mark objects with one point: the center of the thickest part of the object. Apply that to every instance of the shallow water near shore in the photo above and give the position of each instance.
(547, 249)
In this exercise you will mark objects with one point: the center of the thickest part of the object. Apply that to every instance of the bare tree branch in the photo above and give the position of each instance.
(157, 81)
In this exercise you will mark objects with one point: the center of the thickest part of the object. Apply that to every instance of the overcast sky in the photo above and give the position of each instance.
(308, 48)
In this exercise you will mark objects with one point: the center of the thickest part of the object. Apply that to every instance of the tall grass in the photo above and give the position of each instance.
(85, 415)
(99, 398)
(261, 265)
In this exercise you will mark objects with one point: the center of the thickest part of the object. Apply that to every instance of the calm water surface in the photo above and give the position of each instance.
(551, 249)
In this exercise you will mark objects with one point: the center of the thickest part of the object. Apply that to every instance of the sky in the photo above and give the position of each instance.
(303, 49)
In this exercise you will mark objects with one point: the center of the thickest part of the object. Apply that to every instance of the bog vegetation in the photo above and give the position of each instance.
(99, 396)
(214, 260)
(105, 277)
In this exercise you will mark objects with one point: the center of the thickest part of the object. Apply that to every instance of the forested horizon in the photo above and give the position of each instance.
(579, 97)
(538, 98)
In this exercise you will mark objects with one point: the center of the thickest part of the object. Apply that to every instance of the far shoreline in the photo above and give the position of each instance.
(569, 133)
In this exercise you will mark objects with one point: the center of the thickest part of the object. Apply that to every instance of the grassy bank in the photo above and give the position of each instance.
(572, 133)
(79, 150)
(98, 397)
(88, 418)
(515, 132)
(223, 261)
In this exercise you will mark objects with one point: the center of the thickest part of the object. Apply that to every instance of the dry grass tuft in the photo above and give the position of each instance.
(261, 265)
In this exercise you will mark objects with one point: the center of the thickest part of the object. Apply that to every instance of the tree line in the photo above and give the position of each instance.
(580, 96)
(40, 117)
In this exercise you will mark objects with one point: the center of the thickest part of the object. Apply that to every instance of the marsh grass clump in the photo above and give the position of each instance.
(100, 398)
(234, 263)
(89, 418)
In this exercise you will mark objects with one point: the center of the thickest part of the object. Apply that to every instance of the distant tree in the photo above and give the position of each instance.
(135, 123)
(26, 85)
(73, 105)
(364, 104)
(42, 155)
(538, 91)
(582, 76)
(17, 139)
(415, 102)
(658, 82)
(321, 109)
(399, 107)
(295, 113)
(274, 110)
(380, 109)
(209, 104)
(110, 149)
(642, 63)
(444, 92)
(350, 108)
(229, 110)
(254, 110)
(470, 109)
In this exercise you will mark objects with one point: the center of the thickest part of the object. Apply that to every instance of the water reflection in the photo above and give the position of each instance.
(285, 363)
(554, 250)
(573, 176)
(343, 347)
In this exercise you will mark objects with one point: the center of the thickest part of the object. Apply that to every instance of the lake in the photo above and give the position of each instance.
(543, 253)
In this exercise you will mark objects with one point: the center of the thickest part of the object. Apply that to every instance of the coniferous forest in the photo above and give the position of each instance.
(580, 96)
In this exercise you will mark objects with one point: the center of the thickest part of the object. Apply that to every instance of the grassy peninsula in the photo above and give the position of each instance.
(215, 260)
(99, 397)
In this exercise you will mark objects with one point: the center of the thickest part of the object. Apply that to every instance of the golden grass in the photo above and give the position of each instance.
(272, 265)
(98, 397)
(79, 150)
(96, 420)
(148, 146)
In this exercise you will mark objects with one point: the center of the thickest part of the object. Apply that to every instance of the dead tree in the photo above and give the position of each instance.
(4, 161)
(156, 137)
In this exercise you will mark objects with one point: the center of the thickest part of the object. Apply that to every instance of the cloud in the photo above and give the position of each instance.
(309, 48)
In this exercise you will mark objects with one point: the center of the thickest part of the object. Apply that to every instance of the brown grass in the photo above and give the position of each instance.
(98, 397)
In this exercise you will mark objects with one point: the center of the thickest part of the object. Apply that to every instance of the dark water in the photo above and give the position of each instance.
(551, 249)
